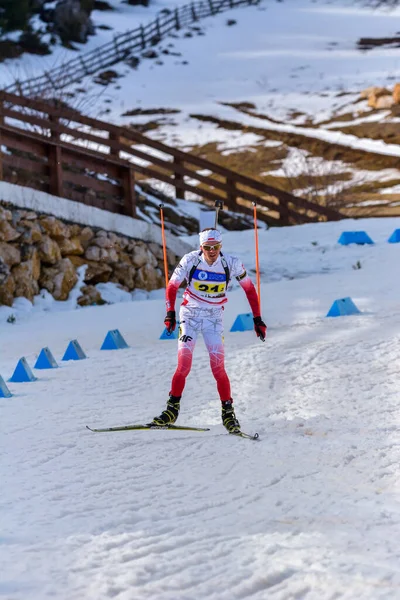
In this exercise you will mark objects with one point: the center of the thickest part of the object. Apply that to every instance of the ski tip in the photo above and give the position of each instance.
(87, 427)
(249, 436)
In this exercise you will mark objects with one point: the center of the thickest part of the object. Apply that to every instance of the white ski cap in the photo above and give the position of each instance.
(210, 236)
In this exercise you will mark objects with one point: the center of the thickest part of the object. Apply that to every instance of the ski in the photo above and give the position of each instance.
(149, 426)
(248, 436)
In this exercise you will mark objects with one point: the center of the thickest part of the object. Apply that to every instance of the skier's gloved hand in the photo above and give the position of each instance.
(260, 328)
(170, 321)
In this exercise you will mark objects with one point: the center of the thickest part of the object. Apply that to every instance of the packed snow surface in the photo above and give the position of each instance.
(310, 511)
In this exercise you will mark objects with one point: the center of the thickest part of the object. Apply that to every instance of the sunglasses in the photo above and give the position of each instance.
(214, 247)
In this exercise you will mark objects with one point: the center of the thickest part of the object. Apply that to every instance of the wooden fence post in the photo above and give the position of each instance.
(51, 84)
(177, 24)
(114, 136)
(55, 169)
(142, 35)
(54, 160)
(158, 27)
(283, 212)
(211, 7)
(178, 178)
(116, 46)
(192, 8)
(128, 186)
(231, 193)
(84, 67)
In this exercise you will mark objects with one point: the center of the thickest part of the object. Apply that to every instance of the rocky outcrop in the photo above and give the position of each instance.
(396, 93)
(381, 102)
(72, 21)
(43, 252)
(380, 97)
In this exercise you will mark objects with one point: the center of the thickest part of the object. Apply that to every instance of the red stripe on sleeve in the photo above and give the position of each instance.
(247, 285)
(170, 294)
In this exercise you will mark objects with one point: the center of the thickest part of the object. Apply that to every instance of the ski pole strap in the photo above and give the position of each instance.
(226, 269)
(194, 267)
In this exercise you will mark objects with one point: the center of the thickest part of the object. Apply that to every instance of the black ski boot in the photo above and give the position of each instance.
(170, 414)
(229, 419)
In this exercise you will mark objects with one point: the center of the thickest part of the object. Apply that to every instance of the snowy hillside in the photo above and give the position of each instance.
(271, 90)
(310, 511)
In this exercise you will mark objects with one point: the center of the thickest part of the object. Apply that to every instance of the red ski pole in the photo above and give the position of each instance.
(257, 261)
(164, 246)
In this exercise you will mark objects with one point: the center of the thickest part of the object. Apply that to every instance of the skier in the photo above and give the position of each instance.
(207, 273)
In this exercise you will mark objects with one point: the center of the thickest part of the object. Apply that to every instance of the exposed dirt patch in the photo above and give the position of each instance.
(145, 127)
(345, 117)
(244, 106)
(107, 77)
(368, 43)
(248, 109)
(252, 161)
(388, 132)
(362, 159)
(150, 111)
(330, 185)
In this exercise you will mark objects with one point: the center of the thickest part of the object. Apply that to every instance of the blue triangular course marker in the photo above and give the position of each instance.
(342, 307)
(114, 341)
(354, 237)
(74, 351)
(4, 391)
(45, 360)
(169, 336)
(22, 372)
(243, 322)
(395, 237)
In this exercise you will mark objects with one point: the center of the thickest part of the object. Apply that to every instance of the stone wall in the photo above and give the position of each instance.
(40, 251)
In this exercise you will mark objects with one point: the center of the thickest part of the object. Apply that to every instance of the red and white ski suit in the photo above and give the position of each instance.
(201, 312)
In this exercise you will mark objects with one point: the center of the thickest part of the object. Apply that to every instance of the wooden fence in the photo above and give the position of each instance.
(96, 163)
(122, 46)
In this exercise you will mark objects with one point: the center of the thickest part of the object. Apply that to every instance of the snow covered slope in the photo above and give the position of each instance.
(310, 511)
(279, 89)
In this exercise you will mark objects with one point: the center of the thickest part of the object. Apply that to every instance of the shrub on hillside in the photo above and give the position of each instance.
(30, 41)
(72, 20)
(14, 15)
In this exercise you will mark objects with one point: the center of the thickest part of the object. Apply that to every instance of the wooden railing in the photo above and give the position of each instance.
(122, 46)
(90, 161)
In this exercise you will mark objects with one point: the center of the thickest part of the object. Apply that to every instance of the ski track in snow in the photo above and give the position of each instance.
(299, 514)
(309, 511)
